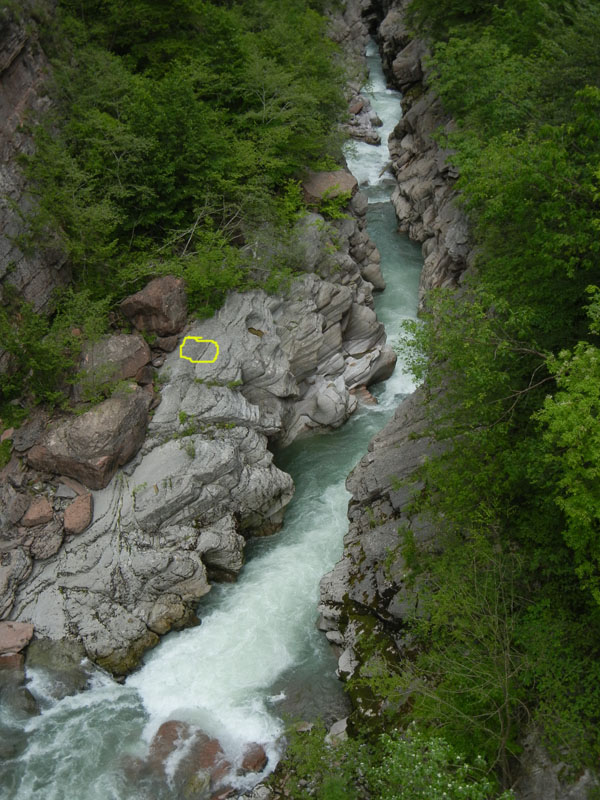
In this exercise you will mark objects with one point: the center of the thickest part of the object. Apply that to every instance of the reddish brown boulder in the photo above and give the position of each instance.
(166, 343)
(45, 540)
(38, 513)
(319, 185)
(255, 759)
(91, 447)
(78, 514)
(14, 636)
(205, 754)
(161, 307)
(111, 359)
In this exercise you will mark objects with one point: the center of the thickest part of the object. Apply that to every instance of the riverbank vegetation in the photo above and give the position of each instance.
(510, 641)
(174, 144)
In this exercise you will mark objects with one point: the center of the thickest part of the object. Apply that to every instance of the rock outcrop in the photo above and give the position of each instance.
(425, 197)
(369, 594)
(23, 70)
(178, 488)
(371, 581)
(368, 590)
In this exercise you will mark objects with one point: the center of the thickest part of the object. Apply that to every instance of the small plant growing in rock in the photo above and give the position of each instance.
(162, 377)
(137, 489)
(5, 451)
(333, 205)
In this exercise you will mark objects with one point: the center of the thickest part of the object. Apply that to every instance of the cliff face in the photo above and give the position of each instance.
(23, 69)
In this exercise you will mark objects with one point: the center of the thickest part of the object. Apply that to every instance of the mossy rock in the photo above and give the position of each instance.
(124, 660)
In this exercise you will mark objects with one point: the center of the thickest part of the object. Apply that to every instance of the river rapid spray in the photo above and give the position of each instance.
(257, 653)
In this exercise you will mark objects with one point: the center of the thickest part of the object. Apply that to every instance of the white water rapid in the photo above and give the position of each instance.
(257, 654)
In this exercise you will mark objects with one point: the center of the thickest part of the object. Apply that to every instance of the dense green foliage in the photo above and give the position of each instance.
(175, 141)
(409, 766)
(510, 632)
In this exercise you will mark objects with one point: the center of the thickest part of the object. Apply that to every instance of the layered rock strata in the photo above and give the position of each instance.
(176, 489)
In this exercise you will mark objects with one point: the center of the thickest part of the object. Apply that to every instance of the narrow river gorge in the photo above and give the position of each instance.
(257, 657)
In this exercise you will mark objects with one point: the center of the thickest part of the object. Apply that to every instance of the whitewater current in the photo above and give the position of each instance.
(257, 658)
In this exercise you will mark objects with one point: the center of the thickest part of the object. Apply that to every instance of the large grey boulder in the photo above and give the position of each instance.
(92, 446)
(407, 67)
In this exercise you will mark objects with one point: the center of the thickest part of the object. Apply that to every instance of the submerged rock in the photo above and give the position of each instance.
(188, 759)
(255, 759)
(63, 665)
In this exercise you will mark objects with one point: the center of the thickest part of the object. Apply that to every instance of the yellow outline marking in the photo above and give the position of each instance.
(198, 339)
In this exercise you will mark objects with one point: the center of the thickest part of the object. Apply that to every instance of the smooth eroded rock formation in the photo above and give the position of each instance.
(198, 479)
